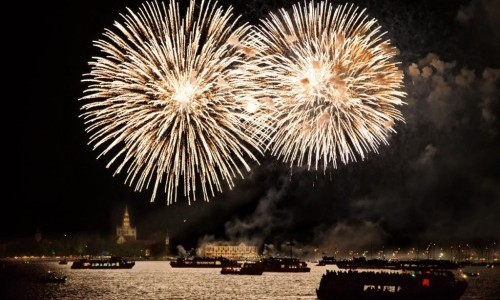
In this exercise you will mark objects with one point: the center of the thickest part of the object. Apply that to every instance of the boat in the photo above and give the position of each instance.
(327, 260)
(468, 263)
(375, 285)
(54, 277)
(363, 263)
(202, 262)
(103, 263)
(247, 268)
(284, 264)
(426, 264)
(470, 274)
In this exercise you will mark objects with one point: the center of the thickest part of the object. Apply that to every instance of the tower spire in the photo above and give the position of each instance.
(125, 232)
(126, 218)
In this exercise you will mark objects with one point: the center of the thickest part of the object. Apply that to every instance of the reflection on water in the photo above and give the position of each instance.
(157, 280)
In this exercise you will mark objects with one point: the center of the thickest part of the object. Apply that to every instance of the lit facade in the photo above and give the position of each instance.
(241, 251)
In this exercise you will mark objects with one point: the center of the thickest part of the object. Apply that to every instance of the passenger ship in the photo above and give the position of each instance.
(378, 285)
(284, 264)
(202, 262)
(103, 263)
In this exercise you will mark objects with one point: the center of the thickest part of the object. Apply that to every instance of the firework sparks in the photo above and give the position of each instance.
(167, 101)
(333, 82)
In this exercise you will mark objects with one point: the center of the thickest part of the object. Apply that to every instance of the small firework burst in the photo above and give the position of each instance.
(333, 82)
(167, 100)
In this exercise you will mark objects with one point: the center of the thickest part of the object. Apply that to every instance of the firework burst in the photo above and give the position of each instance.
(331, 81)
(166, 99)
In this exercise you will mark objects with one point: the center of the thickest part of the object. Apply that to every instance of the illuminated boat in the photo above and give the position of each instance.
(363, 263)
(202, 262)
(327, 260)
(247, 268)
(103, 263)
(409, 285)
(284, 264)
(470, 274)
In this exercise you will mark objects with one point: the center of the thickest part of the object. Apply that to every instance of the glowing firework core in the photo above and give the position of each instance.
(183, 94)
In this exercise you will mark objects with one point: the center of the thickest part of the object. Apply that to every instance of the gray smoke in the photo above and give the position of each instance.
(343, 237)
(256, 227)
(181, 251)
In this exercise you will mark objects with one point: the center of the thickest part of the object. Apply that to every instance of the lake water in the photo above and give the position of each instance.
(157, 280)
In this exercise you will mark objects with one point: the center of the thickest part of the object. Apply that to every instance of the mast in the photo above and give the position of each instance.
(291, 244)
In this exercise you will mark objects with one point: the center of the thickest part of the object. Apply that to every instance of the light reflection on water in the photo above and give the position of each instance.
(157, 280)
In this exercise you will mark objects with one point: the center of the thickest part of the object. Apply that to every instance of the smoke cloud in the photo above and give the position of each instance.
(181, 251)
(256, 227)
(341, 236)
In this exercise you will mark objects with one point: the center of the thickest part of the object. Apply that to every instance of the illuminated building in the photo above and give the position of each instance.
(241, 251)
(125, 233)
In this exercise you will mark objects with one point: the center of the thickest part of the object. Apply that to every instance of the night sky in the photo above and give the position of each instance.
(438, 180)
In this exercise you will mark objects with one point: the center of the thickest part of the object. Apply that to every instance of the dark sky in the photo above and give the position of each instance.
(438, 180)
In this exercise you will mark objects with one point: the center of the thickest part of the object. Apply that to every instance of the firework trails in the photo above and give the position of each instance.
(331, 80)
(168, 102)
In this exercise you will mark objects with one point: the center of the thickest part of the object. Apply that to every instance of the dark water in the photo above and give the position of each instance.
(157, 280)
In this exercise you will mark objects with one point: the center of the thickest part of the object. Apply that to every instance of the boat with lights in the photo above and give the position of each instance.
(327, 260)
(246, 268)
(363, 263)
(417, 284)
(103, 263)
(284, 264)
(202, 262)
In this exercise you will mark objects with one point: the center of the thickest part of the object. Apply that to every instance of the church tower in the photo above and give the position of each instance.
(125, 232)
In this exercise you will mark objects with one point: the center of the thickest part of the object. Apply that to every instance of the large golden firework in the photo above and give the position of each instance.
(331, 80)
(167, 100)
